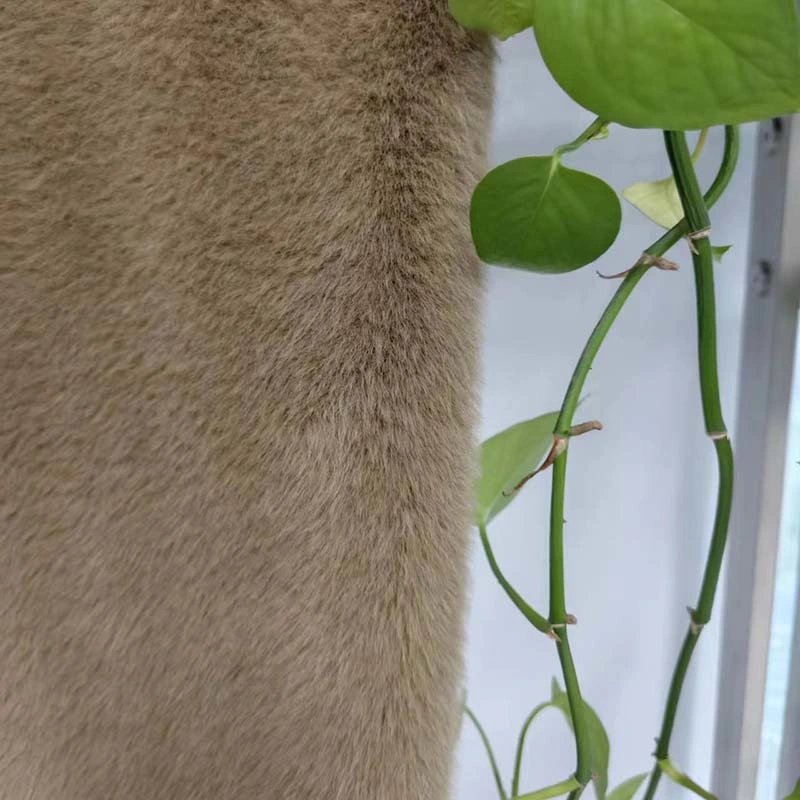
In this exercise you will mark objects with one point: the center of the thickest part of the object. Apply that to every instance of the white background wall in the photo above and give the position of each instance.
(640, 495)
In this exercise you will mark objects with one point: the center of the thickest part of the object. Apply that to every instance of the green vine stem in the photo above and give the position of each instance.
(697, 219)
(521, 746)
(562, 429)
(656, 250)
(558, 612)
(597, 130)
(533, 616)
(558, 618)
(489, 752)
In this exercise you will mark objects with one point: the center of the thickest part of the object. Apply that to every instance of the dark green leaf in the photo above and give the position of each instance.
(501, 18)
(598, 738)
(506, 459)
(627, 789)
(675, 64)
(536, 214)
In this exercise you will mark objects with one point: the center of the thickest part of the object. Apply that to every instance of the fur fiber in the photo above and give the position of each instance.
(239, 313)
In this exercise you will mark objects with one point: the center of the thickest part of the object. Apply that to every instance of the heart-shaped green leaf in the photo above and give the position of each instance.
(627, 789)
(508, 458)
(501, 18)
(598, 738)
(536, 214)
(674, 774)
(795, 795)
(674, 64)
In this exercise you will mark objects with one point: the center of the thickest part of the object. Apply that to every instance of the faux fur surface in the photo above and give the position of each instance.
(239, 313)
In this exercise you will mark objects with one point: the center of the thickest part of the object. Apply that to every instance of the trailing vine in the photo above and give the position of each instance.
(730, 61)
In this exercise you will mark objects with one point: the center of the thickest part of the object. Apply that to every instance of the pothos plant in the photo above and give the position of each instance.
(674, 65)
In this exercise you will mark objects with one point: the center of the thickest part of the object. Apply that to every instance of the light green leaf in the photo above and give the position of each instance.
(718, 251)
(674, 64)
(795, 795)
(501, 18)
(506, 459)
(627, 789)
(659, 200)
(598, 738)
(536, 214)
(556, 790)
(674, 774)
(558, 697)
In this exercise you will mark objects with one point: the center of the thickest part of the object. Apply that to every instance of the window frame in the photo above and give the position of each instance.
(769, 339)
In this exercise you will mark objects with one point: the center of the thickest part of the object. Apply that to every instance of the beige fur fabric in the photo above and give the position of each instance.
(239, 313)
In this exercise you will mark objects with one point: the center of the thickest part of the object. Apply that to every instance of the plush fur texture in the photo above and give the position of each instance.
(239, 313)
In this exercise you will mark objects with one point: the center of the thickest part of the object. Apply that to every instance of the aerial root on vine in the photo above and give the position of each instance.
(585, 427)
(645, 260)
(659, 262)
(695, 235)
(615, 275)
(570, 619)
(559, 446)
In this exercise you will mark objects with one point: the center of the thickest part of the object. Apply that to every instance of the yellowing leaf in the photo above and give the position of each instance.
(658, 200)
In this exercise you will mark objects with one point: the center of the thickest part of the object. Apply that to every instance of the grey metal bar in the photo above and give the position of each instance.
(768, 343)
(790, 751)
